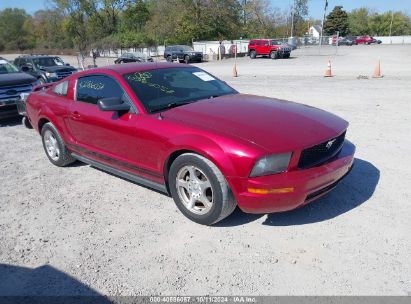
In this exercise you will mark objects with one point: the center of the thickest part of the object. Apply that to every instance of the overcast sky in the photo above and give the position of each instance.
(316, 7)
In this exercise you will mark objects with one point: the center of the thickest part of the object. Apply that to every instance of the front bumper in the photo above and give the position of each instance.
(308, 185)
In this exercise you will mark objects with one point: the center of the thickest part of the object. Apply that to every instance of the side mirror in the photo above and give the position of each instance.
(25, 68)
(67, 64)
(113, 104)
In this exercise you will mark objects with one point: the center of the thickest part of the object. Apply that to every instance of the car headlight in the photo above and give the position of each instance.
(51, 75)
(271, 164)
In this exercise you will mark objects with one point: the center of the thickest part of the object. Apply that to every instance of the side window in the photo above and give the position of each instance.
(92, 88)
(61, 88)
(258, 43)
(22, 62)
(252, 42)
(265, 43)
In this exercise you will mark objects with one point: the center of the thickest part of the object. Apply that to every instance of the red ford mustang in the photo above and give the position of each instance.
(180, 130)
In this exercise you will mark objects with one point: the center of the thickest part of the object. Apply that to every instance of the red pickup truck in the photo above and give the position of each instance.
(268, 47)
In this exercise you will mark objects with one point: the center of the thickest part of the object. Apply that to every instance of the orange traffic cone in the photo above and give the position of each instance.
(328, 72)
(235, 74)
(377, 71)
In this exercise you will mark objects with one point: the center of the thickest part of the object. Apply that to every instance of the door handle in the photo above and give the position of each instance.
(75, 115)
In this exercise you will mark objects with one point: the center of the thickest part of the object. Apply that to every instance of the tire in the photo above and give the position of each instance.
(50, 137)
(287, 56)
(209, 183)
(186, 59)
(42, 81)
(169, 58)
(25, 121)
(253, 54)
(273, 55)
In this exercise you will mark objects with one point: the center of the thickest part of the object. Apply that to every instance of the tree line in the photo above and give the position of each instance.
(102, 24)
(363, 21)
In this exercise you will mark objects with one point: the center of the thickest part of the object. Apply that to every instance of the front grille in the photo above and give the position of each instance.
(62, 75)
(319, 154)
(13, 91)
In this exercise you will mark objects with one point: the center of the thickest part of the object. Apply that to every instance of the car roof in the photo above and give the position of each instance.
(122, 69)
(37, 56)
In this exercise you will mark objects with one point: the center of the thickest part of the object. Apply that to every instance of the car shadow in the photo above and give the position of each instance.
(45, 281)
(354, 190)
(10, 122)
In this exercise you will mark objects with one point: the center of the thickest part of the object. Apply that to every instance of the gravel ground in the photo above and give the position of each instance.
(78, 230)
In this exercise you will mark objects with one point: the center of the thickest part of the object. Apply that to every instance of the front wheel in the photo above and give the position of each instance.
(274, 55)
(54, 146)
(25, 121)
(169, 58)
(200, 190)
(186, 59)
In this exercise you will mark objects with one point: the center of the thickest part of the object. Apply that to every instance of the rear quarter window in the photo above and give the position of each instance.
(61, 88)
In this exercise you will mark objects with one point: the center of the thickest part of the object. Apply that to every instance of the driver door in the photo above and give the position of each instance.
(105, 136)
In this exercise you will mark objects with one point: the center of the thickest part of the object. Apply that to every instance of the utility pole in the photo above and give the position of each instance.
(292, 18)
(392, 19)
(322, 24)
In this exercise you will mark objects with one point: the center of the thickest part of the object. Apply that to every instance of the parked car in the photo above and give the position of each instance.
(291, 46)
(353, 39)
(268, 47)
(377, 41)
(12, 84)
(342, 41)
(133, 57)
(44, 67)
(182, 131)
(365, 39)
(182, 53)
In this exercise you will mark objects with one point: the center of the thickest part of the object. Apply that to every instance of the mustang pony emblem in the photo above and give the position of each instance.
(330, 143)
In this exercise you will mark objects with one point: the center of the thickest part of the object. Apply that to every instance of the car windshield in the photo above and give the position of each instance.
(6, 67)
(184, 48)
(139, 55)
(165, 88)
(47, 62)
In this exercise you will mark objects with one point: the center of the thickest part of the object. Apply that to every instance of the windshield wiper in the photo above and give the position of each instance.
(168, 106)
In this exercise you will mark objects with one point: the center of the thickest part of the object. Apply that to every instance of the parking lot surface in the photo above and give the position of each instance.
(78, 230)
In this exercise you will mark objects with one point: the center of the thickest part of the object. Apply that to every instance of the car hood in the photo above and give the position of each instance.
(273, 124)
(58, 68)
(15, 79)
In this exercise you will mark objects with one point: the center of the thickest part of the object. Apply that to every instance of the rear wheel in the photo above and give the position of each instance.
(253, 54)
(200, 190)
(54, 146)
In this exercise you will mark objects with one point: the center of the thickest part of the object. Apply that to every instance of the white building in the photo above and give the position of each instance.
(315, 31)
